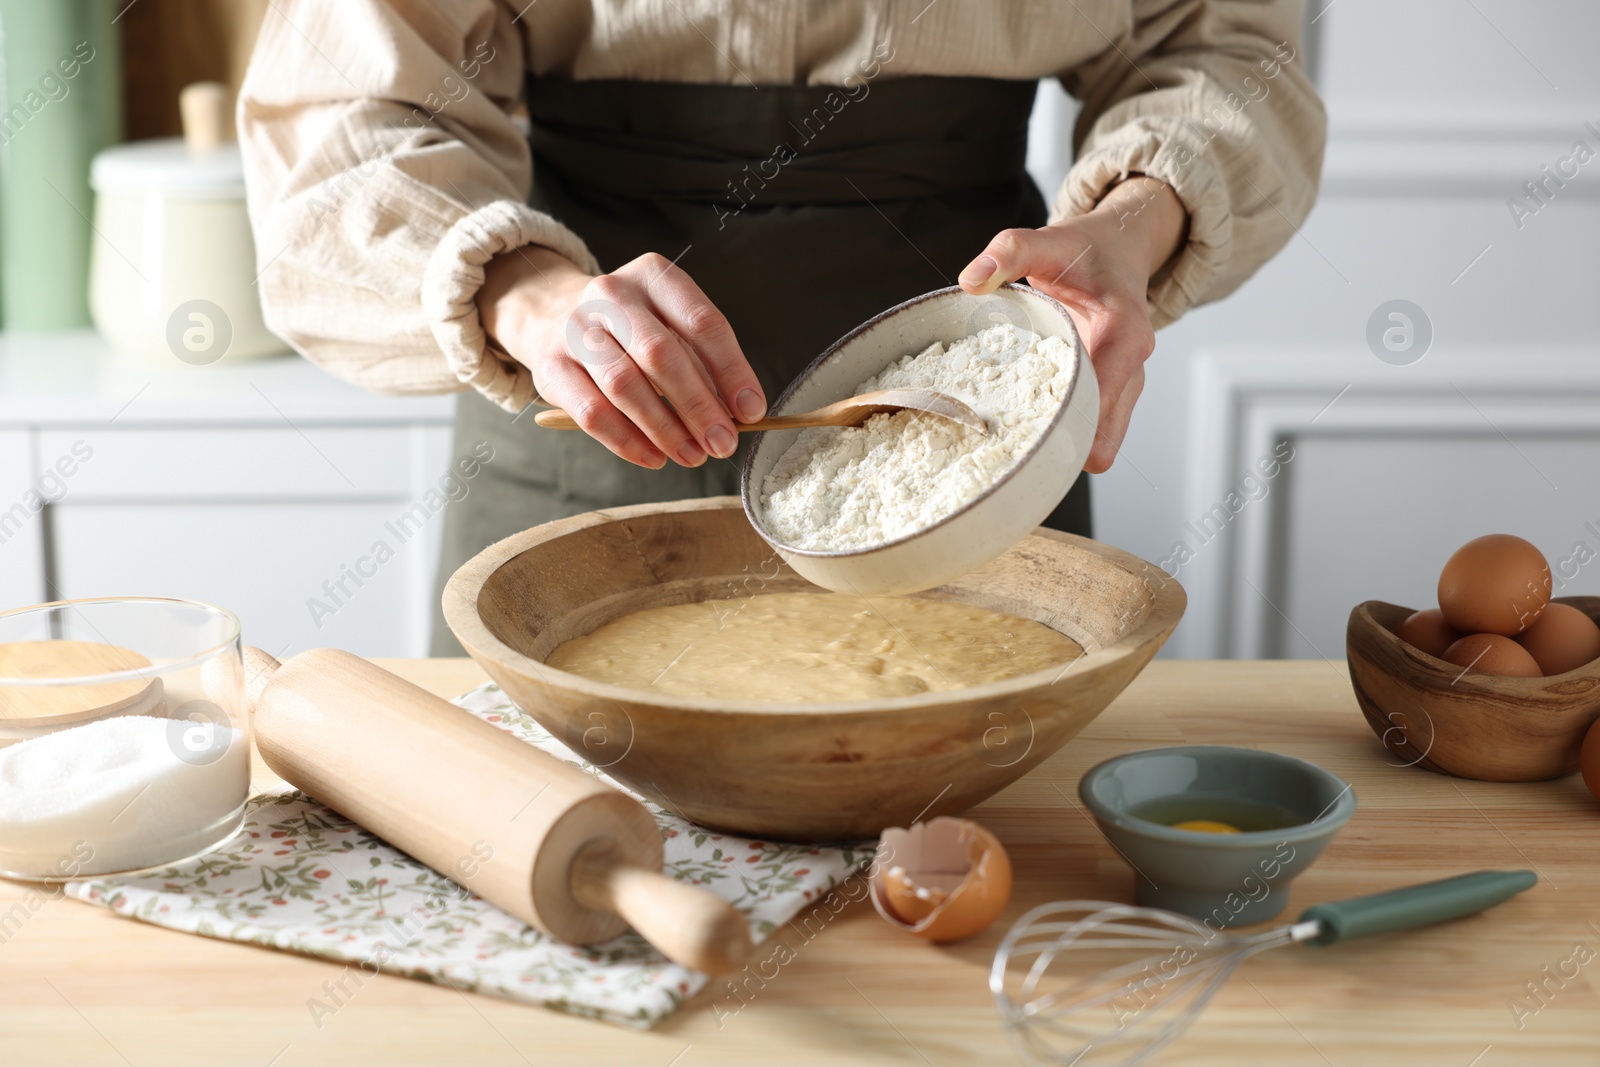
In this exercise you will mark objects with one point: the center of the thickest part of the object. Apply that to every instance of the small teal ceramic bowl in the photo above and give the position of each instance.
(1287, 810)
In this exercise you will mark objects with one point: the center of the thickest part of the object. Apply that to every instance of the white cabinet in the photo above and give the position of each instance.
(278, 565)
(214, 462)
(266, 487)
(21, 522)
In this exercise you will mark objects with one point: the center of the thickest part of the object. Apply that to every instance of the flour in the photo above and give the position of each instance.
(842, 489)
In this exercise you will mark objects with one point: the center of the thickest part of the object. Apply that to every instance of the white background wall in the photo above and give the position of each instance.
(1439, 110)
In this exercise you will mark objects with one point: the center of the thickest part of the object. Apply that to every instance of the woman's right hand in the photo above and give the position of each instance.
(608, 349)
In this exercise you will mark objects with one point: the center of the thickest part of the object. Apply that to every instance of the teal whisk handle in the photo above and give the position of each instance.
(1418, 905)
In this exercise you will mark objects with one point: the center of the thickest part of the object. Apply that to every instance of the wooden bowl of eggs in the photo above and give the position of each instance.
(1499, 683)
(808, 771)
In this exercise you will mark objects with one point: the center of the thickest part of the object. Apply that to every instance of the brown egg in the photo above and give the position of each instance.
(1563, 639)
(1492, 654)
(942, 880)
(1426, 630)
(913, 898)
(1497, 584)
(1589, 759)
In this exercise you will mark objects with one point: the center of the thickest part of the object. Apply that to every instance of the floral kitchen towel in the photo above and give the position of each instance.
(300, 877)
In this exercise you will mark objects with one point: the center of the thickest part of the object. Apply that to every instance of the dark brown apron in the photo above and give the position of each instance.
(800, 211)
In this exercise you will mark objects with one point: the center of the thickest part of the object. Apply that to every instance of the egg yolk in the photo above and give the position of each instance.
(1205, 826)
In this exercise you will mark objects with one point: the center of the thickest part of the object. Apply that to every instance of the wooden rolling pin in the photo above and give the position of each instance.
(566, 853)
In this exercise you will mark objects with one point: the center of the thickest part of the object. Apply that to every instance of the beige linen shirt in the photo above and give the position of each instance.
(385, 168)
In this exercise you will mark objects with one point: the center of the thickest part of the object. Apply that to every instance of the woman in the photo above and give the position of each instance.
(709, 193)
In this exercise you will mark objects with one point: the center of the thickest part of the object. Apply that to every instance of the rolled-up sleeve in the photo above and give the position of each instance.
(1213, 99)
(383, 171)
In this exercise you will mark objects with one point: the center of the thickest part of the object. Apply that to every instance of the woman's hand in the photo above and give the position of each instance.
(1099, 266)
(607, 349)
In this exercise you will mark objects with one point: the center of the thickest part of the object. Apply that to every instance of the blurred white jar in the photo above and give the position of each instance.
(173, 268)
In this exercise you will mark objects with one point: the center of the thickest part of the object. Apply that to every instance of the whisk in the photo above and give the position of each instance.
(1100, 1012)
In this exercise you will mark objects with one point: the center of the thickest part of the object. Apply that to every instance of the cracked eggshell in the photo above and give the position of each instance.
(942, 880)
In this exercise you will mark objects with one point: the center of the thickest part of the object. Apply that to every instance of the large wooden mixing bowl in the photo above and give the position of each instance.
(807, 772)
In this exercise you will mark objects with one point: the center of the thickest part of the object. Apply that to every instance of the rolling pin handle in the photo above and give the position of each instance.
(690, 926)
(221, 681)
(259, 667)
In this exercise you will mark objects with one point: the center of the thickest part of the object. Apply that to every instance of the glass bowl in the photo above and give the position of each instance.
(124, 736)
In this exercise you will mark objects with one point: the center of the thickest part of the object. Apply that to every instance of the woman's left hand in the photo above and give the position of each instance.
(1099, 266)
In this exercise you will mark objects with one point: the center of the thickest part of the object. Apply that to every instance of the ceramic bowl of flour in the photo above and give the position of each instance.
(943, 519)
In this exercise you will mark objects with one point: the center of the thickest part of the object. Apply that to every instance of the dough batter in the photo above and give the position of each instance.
(813, 648)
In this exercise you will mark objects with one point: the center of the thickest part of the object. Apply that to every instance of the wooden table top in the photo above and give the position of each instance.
(81, 986)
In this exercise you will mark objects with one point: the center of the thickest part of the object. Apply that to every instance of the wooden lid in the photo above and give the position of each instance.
(52, 705)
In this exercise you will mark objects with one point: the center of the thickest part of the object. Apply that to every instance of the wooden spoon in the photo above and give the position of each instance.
(851, 411)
